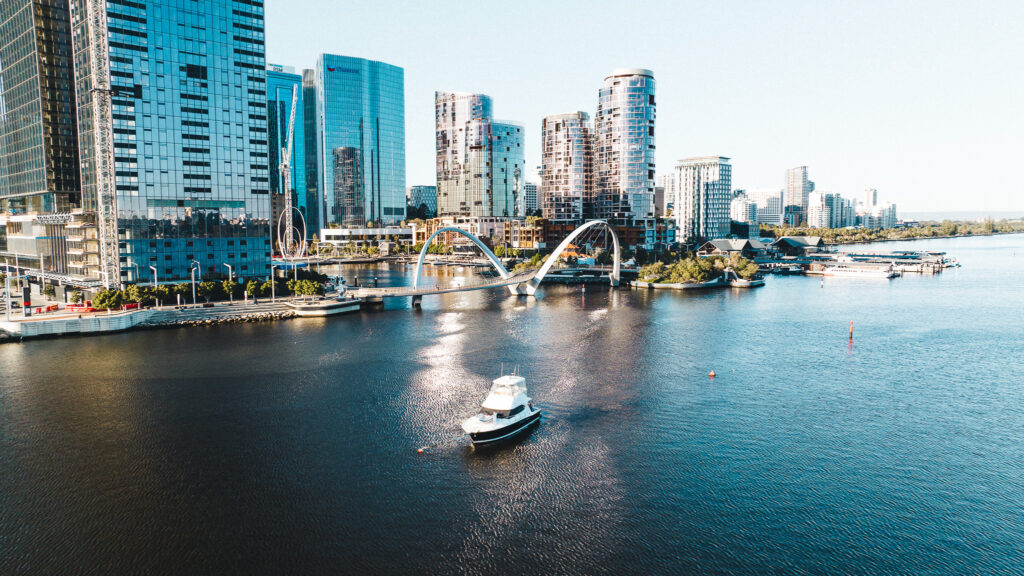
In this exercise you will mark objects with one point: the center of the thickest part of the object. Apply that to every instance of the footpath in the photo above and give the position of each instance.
(66, 324)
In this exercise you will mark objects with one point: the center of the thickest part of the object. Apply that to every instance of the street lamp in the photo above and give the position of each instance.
(231, 293)
(193, 272)
(153, 268)
(7, 293)
(200, 269)
(273, 294)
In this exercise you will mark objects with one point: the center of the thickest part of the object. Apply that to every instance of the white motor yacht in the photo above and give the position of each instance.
(505, 412)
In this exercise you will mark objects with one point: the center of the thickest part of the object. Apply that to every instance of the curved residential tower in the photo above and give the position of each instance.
(624, 147)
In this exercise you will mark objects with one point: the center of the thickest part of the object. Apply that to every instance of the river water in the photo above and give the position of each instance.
(291, 447)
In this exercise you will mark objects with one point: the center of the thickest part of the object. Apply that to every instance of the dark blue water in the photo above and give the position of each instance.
(291, 448)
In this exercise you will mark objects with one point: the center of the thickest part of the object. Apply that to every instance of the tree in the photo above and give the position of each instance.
(76, 297)
(48, 291)
(132, 293)
(162, 293)
(108, 299)
(231, 289)
(253, 288)
(208, 290)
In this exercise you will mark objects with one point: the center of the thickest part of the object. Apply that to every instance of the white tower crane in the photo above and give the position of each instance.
(286, 238)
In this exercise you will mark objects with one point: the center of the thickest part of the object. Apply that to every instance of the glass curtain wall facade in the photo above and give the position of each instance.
(280, 84)
(38, 131)
(360, 133)
(507, 165)
(424, 196)
(567, 166)
(189, 118)
(314, 202)
(705, 195)
(463, 139)
(39, 174)
(624, 147)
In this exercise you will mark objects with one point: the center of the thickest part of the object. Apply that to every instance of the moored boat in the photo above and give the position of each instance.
(325, 306)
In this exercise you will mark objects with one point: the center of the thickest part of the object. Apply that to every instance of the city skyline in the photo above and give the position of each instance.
(863, 103)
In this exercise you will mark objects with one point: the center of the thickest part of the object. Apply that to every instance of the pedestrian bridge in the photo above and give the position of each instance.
(516, 283)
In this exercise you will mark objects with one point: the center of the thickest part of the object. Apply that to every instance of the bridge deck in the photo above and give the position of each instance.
(399, 291)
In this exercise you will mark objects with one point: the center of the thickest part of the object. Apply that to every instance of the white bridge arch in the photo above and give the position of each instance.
(495, 262)
(532, 285)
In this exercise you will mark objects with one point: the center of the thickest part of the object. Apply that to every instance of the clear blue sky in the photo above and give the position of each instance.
(923, 100)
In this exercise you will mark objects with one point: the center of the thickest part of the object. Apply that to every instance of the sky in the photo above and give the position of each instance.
(922, 100)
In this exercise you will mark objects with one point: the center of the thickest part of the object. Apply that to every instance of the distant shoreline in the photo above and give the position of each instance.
(920, 238)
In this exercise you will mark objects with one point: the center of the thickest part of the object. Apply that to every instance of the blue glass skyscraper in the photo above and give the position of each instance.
(360, 138)
(188, 111)
(280, 83)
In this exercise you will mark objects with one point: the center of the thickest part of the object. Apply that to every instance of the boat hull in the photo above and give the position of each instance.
(326, 309)
(504, 433)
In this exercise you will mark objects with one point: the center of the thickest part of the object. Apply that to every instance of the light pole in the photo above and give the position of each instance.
(200, 269)
(231, 293)
(193, 272)
(7, 293)
(155, 282)
(273, 294)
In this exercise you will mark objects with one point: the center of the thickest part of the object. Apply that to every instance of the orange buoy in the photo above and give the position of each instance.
(421, 450)
(711, 374)
(851, 329)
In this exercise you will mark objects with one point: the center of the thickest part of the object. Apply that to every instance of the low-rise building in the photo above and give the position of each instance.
(744, 247)
(366, 236)
(798, 245)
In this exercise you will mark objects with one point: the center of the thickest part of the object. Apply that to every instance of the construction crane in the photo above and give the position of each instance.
(286, 239)
(103, 141)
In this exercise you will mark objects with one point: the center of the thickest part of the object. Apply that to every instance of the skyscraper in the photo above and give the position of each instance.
(529, 199)
(424, 196)
(742, 209)
(281, 81)
(671, 185)
(185, 124)
(567, 166)
(39, 165)
(38, 132)
(870, 198)
(507, 167)
(480, 162)
(624, 147)
(360, 140)
(769, 204)
(798, 188)
(314, 202)
(705, 193)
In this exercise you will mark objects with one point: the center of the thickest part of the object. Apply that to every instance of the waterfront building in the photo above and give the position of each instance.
(769, 204)
(705, 193)
(529, 199)
(742, 209)
(186, 129)
(39, 163)
(798, 188)
(624, 150)
(424, 196)
(281, 81)
(360, 141)
(480, 162)
(567, 166)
